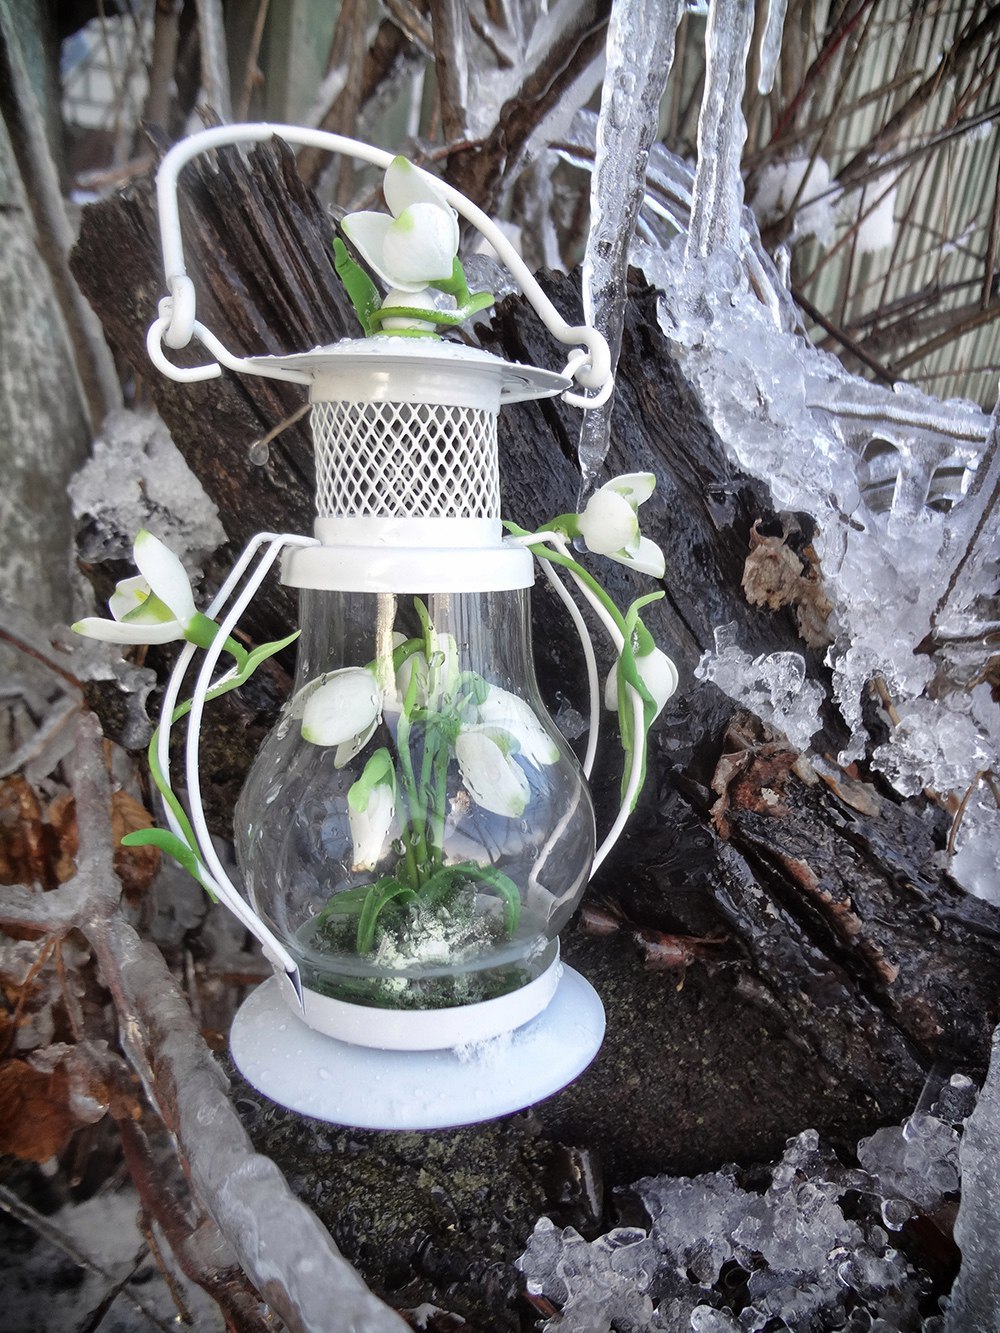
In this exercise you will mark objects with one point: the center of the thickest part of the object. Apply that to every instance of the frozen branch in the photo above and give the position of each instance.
(279, 1243)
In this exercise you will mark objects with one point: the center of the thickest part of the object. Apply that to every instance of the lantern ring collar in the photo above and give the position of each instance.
(176, 325)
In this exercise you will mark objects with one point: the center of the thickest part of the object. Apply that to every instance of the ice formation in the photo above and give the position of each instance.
(870, 465)
(808, 180)
(818, 1247)
(902, 486)
(640, 53)
(773, 685)
(136, 478)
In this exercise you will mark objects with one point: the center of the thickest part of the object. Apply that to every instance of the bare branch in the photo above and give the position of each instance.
(452, 33)
(889, 135)
(214, 65)
(251, 74)
(166, 31)
(479, 169)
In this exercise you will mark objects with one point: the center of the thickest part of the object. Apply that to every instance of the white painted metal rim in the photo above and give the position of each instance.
(392, 369)
(409, 569)
(422, 1029)
(415, 533)
(319, 1076)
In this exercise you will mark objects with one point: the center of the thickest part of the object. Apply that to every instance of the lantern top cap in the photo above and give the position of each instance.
(375, 367)
(589, 364)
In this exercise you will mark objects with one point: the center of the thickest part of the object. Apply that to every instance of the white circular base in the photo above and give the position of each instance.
(422, 1029)
(404, 1090)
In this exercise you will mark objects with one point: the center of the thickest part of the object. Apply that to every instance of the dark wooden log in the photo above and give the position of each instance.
(777, 941)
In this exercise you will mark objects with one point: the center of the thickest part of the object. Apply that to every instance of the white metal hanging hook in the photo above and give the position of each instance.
(177, 324)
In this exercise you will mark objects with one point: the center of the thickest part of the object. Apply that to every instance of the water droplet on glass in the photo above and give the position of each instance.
(259, 453)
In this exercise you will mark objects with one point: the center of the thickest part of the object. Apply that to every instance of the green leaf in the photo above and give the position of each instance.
(262, 653)
(496, 879)
(348, 903)
(166, 842)
(363, 294)
(378, 898)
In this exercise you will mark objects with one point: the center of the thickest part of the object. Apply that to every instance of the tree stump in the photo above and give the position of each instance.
(776, 940)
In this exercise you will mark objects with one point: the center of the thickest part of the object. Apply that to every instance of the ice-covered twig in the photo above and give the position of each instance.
(48, 1231)
(280, 1244)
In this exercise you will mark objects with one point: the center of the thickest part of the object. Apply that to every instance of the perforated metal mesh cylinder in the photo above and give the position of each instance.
(378, 459)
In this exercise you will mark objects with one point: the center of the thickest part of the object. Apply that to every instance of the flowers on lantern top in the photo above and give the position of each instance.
(155, 606)
(412, 248)
(418, 244)
(610, 523)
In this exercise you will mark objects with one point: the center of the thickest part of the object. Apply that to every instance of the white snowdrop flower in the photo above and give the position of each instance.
(343, 711)
(610, 525)
(492, 777)
(370, 826)
(656, 671)
(507, 712)
(155, 606)
(418, 244)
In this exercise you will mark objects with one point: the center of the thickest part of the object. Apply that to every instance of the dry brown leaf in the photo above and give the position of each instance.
(134, 866)
(45, 1099)
(61, 816)
(24, 857)
(775, 575)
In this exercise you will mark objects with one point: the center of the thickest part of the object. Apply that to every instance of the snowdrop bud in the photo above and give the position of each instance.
(370, 826)
(492, 778)
(344, 711)
(656, 671)
(608, 524)
(419, 243)
(507, 712)
(165, 575)
(421, 300)
(154, 606)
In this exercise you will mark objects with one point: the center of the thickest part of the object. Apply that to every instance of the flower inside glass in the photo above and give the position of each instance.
(415, 827)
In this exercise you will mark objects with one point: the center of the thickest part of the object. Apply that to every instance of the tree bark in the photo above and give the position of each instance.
(779, 945)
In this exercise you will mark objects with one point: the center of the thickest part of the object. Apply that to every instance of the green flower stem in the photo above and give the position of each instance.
(538, 548)
(246, 665)
(629, 626)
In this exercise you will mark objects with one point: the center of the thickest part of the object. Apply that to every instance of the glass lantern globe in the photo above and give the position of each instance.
(415, 828)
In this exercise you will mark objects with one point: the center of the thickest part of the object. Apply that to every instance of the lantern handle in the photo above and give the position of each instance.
(634, 777)
(213, 874)
(176, 324)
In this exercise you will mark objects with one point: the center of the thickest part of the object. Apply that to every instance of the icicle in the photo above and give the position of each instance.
(971, 548)
(770, 45)
(718, 187)
(640, 52)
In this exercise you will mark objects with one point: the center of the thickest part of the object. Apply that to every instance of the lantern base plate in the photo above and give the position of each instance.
(368, 1088)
